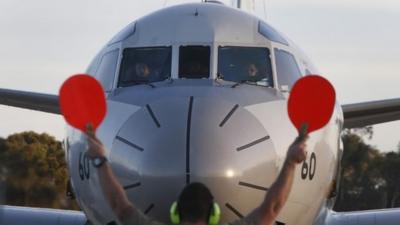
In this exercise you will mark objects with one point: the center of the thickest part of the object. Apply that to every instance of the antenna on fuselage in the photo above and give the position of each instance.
(176, 2)
(256, 7)
(212, 1)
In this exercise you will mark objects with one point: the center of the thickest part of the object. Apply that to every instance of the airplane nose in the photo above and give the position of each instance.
(175, 141)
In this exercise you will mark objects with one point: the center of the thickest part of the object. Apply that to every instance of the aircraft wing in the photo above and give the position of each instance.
(355, 115)
(375, 217)
(369, 113)
(30, 100)
(16, 215)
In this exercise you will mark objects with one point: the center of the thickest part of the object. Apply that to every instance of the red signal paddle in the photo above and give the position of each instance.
(311, 103)
(82, 102)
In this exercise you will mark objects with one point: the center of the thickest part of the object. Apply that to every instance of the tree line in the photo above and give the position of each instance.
(33, 172)
(370, 179)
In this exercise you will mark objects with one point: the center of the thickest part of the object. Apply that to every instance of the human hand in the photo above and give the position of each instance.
(96, 148)
(297, 151)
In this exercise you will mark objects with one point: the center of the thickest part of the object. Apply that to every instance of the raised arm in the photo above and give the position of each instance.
(113, 190)
(277, 195)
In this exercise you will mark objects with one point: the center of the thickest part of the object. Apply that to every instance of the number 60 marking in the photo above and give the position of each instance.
(309, 169)
(83, 167)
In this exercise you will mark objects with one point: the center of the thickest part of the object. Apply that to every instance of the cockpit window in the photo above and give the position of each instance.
(194, 62)
(245, 64)
(286, 67)
(145, 65)
(270, 33)
(106, 71)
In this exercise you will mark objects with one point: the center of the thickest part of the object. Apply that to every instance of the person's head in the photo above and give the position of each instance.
(195, 203)
(252, 70)
(142, 70)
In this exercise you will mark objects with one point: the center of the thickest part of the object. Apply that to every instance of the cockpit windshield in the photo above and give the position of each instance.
(145, 65)
(245, 64)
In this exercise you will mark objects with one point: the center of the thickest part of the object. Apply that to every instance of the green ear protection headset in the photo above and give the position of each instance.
(212, 220)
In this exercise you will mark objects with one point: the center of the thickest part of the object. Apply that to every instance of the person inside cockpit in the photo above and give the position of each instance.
(144, 65)
(250, 65)
(252, 72)
(142, 71)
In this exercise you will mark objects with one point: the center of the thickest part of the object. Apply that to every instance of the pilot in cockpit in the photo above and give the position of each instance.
(252, 72)
(142, 71)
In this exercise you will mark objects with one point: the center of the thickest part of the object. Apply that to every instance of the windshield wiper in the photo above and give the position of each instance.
(241, 82)
(254, 83)
(148, 83)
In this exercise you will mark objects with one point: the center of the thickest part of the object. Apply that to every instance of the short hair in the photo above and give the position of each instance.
(194, 203)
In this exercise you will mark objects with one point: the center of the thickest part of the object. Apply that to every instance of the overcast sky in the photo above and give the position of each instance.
(354, 43)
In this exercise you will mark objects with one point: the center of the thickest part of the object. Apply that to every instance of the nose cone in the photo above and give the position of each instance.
(172, 142)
